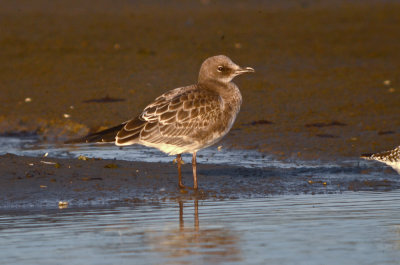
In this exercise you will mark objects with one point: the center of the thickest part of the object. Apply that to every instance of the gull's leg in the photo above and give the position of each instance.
(179, 162)
(194, 165)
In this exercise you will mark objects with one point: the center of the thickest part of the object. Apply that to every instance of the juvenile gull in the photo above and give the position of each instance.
(185, 119)
(390, 158)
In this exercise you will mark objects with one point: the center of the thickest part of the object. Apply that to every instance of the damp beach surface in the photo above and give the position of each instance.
(285, 186)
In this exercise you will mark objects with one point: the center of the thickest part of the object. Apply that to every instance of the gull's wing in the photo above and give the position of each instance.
(178, 118)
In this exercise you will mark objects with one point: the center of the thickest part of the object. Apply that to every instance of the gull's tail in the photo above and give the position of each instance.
(105, 136)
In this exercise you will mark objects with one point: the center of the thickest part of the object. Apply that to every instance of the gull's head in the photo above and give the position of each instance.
(221, 69)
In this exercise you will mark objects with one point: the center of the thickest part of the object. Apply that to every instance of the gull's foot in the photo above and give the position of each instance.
(175, 161)
(181, 186)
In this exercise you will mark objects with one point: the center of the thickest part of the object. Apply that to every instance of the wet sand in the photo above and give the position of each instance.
(41, 182)
(318, 92)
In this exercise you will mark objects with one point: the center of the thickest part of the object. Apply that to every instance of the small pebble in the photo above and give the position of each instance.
(66, 115)
(84, 158)
(387, 82)
(28, 99)
(238, 45)
(48, 162)
(62, 204)
(111, 166)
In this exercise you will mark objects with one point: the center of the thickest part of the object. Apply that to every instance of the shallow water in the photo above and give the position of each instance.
(332, 228)
(349, 228)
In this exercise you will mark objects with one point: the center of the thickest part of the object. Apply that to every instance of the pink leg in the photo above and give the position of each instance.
(194, 165)
(179, 162)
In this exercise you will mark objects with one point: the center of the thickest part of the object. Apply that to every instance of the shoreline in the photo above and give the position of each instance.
(26, 182)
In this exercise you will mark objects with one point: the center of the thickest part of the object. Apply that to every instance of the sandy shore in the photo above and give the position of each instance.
(326, 82)
(326, 86)
(43, 182)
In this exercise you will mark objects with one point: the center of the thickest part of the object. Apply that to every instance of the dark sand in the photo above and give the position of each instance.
(28, 182)
(318, 91)
(320, 68)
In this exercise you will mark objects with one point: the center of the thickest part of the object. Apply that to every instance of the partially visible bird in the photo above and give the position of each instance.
(390, 158)
(185, 119)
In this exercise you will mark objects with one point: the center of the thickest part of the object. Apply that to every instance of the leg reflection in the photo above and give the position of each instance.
(214, 244)
(181, 222)
(196, 216)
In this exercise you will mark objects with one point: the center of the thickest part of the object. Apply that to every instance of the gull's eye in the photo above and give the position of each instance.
(220, 68)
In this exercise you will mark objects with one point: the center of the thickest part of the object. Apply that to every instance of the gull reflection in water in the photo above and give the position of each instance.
(191, 243)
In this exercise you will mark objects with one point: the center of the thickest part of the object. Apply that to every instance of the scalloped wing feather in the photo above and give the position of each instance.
(178, 118)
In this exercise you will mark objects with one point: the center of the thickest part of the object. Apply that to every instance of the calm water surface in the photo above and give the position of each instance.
(349, 228)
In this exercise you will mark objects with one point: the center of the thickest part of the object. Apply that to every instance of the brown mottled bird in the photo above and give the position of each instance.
(185, 119)
(390, 158)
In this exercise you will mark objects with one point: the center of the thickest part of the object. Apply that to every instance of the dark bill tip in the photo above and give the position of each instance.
(245, 70)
